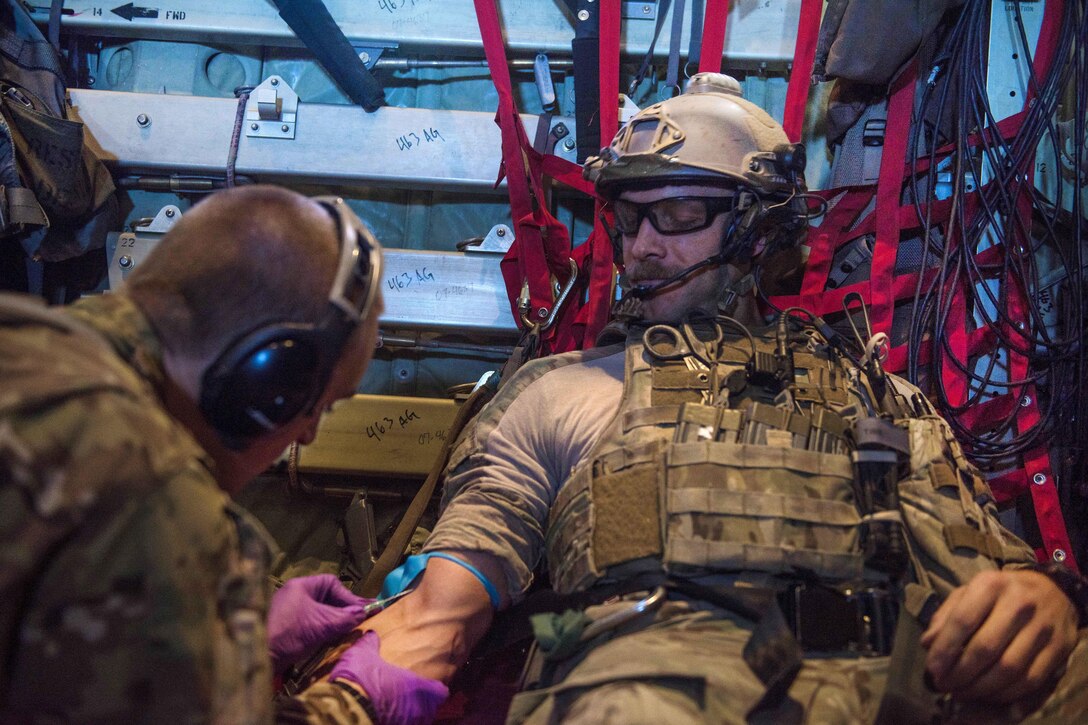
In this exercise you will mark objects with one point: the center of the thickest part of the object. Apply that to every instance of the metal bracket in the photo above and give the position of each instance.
(128, 249)
(644, 10)
(370, 54)
(272, 110)
(497, 241)
(628, 108)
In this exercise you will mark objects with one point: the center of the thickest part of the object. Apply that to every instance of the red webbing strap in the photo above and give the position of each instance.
(710, 52)
(804, 57)
(888, 191)
(594, 313)
(541, 244)
(1037, 467)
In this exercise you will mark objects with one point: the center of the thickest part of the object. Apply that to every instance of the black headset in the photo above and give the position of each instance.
(267, 377)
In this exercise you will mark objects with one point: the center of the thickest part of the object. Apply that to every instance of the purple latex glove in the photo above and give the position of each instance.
(308, 612)
(399, 696)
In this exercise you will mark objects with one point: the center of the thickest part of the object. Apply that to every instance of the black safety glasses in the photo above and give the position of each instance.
(677, 215)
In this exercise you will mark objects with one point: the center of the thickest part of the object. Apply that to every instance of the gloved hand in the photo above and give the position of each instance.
(307, 613)
(399, 696)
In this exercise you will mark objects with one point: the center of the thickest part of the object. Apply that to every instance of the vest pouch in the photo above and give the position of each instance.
(70, 183)
(608, 515)
(950, 534)
(742, 507)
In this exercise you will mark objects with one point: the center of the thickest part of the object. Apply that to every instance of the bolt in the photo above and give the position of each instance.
(285, 128)
(403, 373)
(143, 120)
(125, 261)
(1039, 479)
(569, 144)
(1059, 555)
(365, 57)
(90, 80)
(1025, 401)
(647, 9)
(676, 134)
(583, 15)
(542, 312)
(275, 81)
(753, 165)
(254, 126)
(169, 213)
(500, 232)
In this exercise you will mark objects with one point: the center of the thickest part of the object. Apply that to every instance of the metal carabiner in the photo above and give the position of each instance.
(563, 294)
(611, 621)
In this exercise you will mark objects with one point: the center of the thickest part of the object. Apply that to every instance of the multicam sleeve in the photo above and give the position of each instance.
(322, 703)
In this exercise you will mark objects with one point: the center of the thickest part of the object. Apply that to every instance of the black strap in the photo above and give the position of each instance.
(643, 69)
(672, 73)
(311, 22)
(586, 48)
(695, 40)
(907, 697)
(30, 54)
(56, 8)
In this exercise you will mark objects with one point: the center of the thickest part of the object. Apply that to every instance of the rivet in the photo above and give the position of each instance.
(542, 312)
(1025, 401)
(676, 134)
(125, 261)
(285, 128)
(1058, 555)
(583, 15)
(143, 120)
(753, 165)
(169, 213)
(254, 126)
(275, 81)
(1039, 479)
(647, 9)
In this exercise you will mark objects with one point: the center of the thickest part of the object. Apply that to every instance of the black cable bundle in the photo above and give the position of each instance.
(993, 215)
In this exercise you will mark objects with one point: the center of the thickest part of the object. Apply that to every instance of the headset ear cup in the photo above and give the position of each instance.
(262, 382)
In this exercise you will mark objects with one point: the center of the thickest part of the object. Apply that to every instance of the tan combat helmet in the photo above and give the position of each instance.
(710, 135)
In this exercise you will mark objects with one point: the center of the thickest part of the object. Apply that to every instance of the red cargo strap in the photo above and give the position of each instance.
(597, 250)
(710, 52)
(541, 244)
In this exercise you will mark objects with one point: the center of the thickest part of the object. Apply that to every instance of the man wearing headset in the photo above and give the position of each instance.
(717, 498)
(132, 589)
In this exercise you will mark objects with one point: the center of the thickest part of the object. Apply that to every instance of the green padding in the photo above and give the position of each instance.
(626, 516)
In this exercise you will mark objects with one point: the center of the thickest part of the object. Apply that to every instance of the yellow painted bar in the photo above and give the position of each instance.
(380, 434)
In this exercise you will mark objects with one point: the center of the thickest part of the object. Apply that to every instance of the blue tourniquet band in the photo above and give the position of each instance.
(404, 575)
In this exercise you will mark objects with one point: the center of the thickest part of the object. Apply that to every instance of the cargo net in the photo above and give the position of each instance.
(969, 253)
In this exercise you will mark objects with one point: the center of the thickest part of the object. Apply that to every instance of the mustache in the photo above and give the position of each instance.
(650, 270)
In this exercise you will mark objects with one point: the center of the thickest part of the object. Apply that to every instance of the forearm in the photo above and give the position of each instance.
(432, 630)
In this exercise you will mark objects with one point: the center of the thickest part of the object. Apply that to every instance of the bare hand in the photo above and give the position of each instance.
(1001, 637)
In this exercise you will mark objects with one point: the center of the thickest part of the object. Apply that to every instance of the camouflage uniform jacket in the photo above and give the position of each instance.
(132, 589)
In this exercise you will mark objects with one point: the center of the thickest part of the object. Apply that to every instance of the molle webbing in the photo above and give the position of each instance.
(677, 484)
